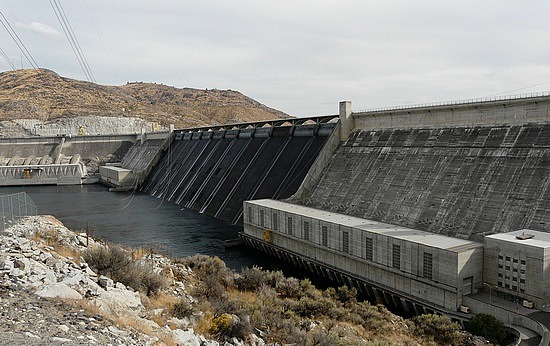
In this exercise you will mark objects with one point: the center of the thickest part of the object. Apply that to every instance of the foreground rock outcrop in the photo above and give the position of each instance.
(47, 296)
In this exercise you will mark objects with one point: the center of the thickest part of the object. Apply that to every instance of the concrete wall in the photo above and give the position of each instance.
(520, 263)
(87, 147)
(494, 113)
(304, 235)
(66, 174)
(463, 182)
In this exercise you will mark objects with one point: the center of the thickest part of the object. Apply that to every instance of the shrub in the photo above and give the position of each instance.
(440, 328)
(151, 282)
(288, 287)
(250, 279)
(182, 309)
(107, 260)
(116, 263)
(343, 294)
(487, 326)
(229, 325)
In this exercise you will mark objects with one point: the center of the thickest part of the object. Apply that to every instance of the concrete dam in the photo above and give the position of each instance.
(213, 170)
(464, 180)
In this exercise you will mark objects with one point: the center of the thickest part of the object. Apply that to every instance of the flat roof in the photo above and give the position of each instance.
(408, 234)
(539, 239)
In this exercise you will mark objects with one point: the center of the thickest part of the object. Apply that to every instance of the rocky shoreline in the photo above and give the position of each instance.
(48, 297)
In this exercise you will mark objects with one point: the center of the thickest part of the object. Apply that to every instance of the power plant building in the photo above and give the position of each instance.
(426, 267)
(517, 265)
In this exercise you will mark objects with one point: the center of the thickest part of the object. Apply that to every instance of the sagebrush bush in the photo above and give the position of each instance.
(151, 282)
(107, 260)
(117, 263)
(182, 309)
(440, 328)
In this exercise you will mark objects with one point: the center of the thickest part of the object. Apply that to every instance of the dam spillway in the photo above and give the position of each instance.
(213, 172)
(461, 182)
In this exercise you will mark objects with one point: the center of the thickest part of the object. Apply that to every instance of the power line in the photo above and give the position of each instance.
(523, 88)
(109, 59)
(18, 42)
(76, 41)
(71, 37)
(7, 59)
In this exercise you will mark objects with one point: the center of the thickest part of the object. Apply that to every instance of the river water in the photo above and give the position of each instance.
(140, 220)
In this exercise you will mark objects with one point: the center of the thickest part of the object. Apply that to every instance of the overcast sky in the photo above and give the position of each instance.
(301, 57)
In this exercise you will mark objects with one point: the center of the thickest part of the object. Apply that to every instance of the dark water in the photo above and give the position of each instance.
(140, 220)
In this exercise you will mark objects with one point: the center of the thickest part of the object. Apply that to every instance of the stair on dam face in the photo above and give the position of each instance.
(214, 176)
(461, 182)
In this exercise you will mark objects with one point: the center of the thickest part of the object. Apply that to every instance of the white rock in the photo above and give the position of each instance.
(63, 328)
(16, 272)
(43, 272)
(89, 272)
(54, 263)
(23, 243)
(186, 337)
(58, 290)
(205, 342)
(120, 286)
(105, 282)
(57, 339)
(119, 302)
(256, 340)
(7, 264)
(114, 330)
(74, 280)
(31, 335)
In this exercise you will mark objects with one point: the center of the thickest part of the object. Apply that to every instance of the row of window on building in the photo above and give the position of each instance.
(512, 273)
(369, 245)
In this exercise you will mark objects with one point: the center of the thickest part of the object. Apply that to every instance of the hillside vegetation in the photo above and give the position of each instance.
(44, 95)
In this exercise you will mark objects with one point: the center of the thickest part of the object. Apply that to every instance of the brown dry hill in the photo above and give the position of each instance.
(43, 94)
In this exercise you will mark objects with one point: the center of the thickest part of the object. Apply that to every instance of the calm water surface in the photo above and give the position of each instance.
(140, 220)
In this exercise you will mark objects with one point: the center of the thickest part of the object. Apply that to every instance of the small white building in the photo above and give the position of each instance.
(422, 265)
(517, 265)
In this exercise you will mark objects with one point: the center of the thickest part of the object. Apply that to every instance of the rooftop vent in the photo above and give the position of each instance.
(524, 236)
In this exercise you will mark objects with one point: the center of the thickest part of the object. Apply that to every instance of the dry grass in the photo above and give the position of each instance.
(205, 323)
(163, 301)
(90, 308)
(50, 237)
(153, 102)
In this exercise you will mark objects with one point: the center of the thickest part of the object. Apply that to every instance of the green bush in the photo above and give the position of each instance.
(116, 263)
(487, 326)
(440, 328)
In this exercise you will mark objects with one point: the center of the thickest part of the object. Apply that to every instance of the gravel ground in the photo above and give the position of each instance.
(27, 319)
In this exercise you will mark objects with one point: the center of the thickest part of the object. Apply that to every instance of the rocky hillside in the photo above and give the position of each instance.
(44, 95)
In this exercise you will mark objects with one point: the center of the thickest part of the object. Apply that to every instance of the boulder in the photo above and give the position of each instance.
(58, 290)
(186, 337)
(119, 302)
(105, 282)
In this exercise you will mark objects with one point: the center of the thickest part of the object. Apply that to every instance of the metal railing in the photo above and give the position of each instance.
(458, 102)
(14, 207)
